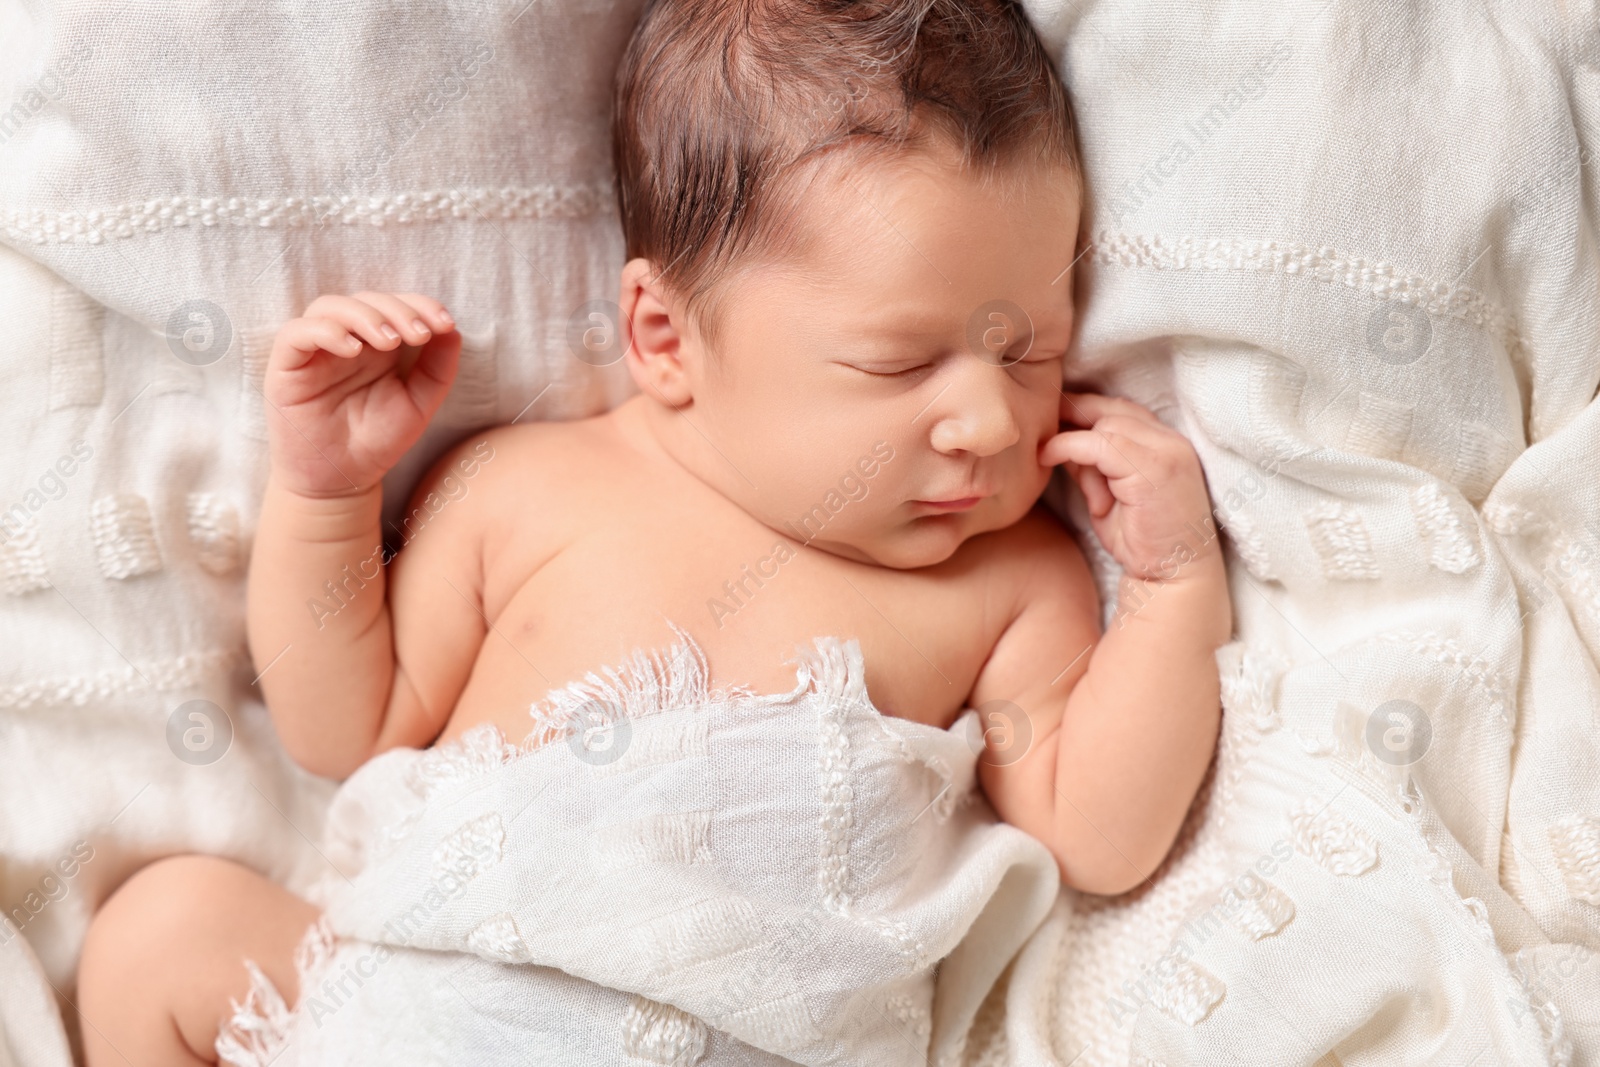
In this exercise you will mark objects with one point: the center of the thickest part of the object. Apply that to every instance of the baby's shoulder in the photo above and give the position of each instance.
(495, 478)
(533, 455)
(1039, 565)
(1051, 613)
(1037, 541)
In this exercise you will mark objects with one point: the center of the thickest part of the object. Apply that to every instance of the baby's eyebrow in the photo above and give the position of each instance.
(933, 328)
(902, 325)
(890, 346)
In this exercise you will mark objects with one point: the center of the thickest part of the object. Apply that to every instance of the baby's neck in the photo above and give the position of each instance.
(665, 435)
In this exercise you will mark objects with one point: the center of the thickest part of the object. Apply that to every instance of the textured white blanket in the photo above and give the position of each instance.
(1347, 245)
(677, 876)
(1349, 248)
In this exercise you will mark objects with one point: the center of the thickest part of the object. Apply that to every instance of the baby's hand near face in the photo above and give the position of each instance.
(341, 409)
(1142, 481)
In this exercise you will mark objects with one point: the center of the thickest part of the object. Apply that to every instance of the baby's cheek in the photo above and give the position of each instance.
(1029, 476)
(1037, 479)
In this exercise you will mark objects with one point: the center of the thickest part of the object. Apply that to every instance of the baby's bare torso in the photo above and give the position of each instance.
(590, 544)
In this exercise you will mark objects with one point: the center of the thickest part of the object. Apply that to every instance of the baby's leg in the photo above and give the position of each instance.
(166, 953)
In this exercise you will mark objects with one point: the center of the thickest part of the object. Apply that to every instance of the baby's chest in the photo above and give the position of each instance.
(749, 597)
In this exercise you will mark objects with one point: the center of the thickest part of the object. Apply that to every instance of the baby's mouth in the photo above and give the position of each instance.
(952, 505)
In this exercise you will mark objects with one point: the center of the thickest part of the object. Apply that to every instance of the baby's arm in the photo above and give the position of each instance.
(1112, 733)
(340, 414)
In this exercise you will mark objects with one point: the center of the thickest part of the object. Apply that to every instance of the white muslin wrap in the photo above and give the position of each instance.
(662, 874)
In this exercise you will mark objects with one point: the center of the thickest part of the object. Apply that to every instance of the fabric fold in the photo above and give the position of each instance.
(667, 872)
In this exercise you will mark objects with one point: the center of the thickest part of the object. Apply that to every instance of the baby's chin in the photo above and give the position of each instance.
(927, 543)
(921, 541)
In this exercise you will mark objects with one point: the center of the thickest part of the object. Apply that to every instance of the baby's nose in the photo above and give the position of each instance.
(975, 413)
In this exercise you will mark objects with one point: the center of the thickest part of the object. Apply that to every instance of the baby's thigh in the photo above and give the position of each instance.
(165, 954)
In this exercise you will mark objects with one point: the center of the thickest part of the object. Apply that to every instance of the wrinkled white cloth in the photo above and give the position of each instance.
(1348, 247)
(667, 874)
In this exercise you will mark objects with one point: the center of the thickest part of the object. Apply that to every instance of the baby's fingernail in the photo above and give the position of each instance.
(388, 332)
(418, 324)
(444, 317)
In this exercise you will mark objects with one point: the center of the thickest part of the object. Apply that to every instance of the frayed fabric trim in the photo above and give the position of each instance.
(258, 1030)
(656, 680)
(647, 683)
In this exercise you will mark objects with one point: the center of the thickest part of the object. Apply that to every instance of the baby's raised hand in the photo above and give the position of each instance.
(1142, 481)
(341, 409)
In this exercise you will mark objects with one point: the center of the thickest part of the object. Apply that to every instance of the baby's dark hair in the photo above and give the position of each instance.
(724, 109)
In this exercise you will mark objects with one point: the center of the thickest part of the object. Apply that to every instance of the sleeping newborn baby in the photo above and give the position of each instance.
(816, 528)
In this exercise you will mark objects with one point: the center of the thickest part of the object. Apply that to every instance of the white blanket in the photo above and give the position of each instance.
(1347, 245)
(672, 875)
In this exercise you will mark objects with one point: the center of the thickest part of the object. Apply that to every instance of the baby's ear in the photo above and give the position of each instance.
(655, 355)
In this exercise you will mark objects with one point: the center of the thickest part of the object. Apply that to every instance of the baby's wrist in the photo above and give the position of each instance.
(1203, 568)
(1197, 592)
(338, 515)
(319, 485)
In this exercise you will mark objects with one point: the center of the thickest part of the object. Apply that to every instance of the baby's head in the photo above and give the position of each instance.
(834, 212)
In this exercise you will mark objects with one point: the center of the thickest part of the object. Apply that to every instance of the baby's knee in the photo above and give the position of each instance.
(152, 915)
(164, 957)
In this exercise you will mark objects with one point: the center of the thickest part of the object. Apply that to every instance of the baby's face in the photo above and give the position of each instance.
(876, 398)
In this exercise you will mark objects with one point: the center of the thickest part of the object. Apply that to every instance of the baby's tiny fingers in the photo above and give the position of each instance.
(300, 339)
(1078, 408)
(1071, 446)
(1157, 449)
(359, 317)
(1152, 436)
(1090, 407)
(1108, 453)
(400, 316)
(1096, 491)
(431, 311)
